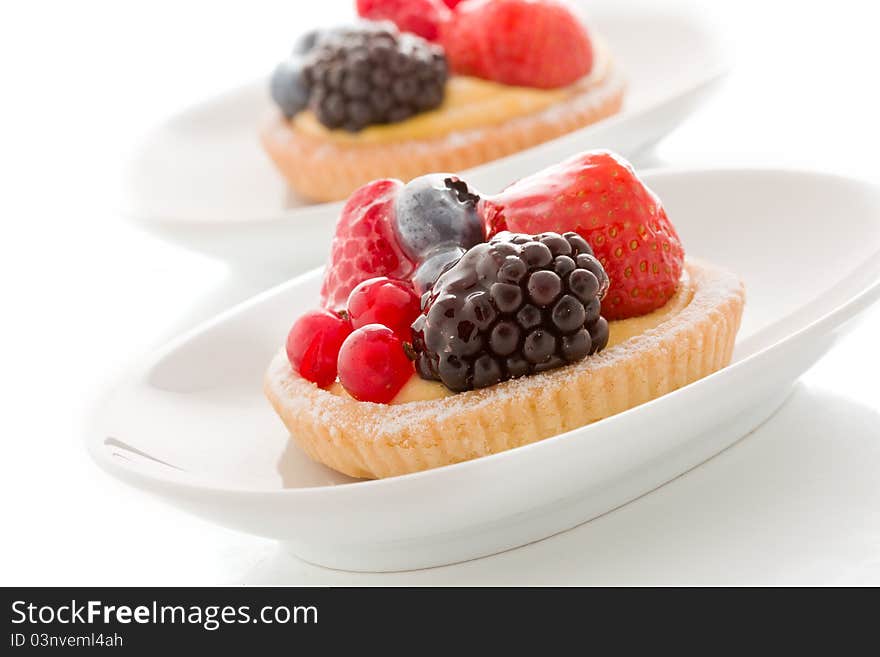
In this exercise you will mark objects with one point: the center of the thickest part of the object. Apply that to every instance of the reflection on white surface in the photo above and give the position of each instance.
(205, 166)
(771, 509)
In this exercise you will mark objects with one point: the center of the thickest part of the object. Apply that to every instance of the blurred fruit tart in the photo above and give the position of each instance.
(419, 86)
(455, 325)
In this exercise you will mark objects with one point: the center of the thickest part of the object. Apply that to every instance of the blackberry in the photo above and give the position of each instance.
(373, 74)
(516, 305)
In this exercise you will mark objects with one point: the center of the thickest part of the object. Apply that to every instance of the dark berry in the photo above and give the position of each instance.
(507, 308)
(589, 262)
(517, 366)
(568, 314)
(550, 364)
(583, 284)
(436, 211)
(289, 89)
(544, 287)
(372, 74)
(480, 310)
(539, 345)
(576, 345)
(536, 254)
(331, 107)
(508, 297)
(578, 243)
(307, 41)
(592, 309)
(504, 338)
(563, 266)
(434, 265)
(513, 269)
(454, 371)
(599, 335)
(529, 317)
(486, 371)
(557, 244)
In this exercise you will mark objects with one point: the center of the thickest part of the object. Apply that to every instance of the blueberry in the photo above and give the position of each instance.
(429, 271)
(288, 88)
(306, 42)
(436, 210)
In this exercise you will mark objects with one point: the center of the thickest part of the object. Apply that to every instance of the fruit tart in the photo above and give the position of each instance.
(417, 86)
(455, 325)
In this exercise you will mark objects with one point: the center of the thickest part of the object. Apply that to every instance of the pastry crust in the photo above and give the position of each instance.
(321, 169)
(363, 439)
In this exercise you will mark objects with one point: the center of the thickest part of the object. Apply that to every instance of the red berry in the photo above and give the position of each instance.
(530, 43)
(598, 195)
(313, 345)
(384, 301)
(373, 365)
(364, 245)
(422, 17)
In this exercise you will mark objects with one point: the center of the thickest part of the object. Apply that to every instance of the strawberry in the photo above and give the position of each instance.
(598, 195)
(422, 17)
(530, 43)
(364, 245)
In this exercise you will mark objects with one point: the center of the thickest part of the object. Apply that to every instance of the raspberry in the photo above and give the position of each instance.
(313, 345)
(364, 245)
(373, 365)
(422, 17)
(516, 305)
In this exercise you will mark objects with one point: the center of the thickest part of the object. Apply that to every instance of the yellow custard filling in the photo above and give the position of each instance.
(468, 103)
(419, 389)
(622, 330)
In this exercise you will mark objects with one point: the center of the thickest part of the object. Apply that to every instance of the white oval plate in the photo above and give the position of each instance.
(201, 178)
(192, 426)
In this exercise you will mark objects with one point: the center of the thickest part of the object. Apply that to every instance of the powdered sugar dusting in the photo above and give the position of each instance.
(713, 287)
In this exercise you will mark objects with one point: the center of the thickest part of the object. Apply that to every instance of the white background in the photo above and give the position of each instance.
(798, 501)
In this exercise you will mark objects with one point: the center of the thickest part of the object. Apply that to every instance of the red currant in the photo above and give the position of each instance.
(313, 345)
(373, 365)
(385, 301)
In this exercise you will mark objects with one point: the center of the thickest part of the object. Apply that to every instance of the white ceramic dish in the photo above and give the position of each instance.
(202, 179)
(192, 426)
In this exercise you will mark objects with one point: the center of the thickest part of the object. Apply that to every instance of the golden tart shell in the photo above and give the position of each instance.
(323, 169)
(363, 439)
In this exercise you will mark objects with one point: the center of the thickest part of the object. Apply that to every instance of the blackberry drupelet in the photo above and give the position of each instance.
(515, 305)
(373, 74)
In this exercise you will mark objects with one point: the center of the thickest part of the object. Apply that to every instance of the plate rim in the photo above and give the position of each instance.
(134, 374)
(714, 73)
